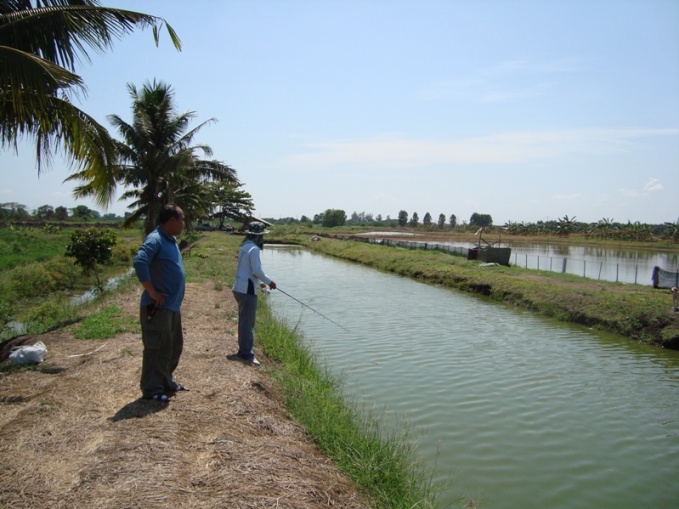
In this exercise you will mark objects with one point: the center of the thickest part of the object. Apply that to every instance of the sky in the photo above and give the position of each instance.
(527, 110)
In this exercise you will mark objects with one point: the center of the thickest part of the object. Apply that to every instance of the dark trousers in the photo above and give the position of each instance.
(163, 344)
(247, 312)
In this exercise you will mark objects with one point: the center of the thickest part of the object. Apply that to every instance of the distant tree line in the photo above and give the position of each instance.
(333, 217)
(605, 229)
(18, 212)
(565, 226)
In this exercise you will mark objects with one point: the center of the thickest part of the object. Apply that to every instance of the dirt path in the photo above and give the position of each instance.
(76, 434)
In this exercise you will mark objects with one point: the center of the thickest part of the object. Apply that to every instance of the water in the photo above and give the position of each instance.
(110, 284)
(604, 263)
(608, 264)
(14, 328)
(520, 412)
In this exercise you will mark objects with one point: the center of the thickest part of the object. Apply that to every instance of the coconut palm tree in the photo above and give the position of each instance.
(40, 43)
(157, 161)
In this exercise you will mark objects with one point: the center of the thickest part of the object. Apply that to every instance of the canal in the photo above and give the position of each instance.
(516, 411)
(614, 264)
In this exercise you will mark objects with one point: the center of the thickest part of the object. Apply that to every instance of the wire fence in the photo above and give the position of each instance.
(618, 272)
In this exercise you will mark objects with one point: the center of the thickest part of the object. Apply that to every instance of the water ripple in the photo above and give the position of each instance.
(522, 412)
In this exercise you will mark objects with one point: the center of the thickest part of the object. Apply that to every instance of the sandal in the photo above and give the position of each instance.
(163, 398)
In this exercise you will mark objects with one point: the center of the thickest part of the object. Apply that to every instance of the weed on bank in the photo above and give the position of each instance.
(383, 466)
(638, 312)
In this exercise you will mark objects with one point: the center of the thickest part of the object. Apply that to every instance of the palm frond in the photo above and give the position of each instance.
(62, 31)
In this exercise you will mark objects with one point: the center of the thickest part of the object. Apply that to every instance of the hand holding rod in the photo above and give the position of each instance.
(312, 309)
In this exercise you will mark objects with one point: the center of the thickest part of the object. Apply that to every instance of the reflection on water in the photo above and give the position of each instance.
(602, 263)
(520, 411)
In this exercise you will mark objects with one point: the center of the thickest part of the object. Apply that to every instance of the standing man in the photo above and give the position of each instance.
(160, 270)
(249, 276)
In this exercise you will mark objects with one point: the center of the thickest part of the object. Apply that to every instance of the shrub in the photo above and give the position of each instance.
(38, 279)
(92, 247)
(48, 315)
(123, 254)
(51, 228)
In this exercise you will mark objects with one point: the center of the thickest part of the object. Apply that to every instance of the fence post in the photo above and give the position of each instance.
(526, 260)
(563, 269)
(538, 262)
(636, 270)
(584, 268)
(617, 270)
(600, 267)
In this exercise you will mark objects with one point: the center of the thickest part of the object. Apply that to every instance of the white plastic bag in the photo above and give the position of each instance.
(28, 354)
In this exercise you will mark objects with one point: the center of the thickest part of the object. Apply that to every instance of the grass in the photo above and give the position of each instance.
(381, 464)
(638, 312)
(19, 246)
(33, 266)
(105, 324)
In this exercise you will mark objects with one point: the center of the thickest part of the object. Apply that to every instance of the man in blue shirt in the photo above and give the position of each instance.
(160, 270)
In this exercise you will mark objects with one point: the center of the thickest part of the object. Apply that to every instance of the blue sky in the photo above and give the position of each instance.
(524, 110)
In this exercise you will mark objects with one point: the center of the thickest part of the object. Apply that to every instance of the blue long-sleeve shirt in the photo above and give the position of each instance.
(160, 261)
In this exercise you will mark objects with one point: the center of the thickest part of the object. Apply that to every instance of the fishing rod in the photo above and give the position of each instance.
(312, 309)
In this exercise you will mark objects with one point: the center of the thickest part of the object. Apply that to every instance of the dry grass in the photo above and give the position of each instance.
(75, 433)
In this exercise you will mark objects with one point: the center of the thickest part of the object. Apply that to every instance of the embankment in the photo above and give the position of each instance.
(637, 312)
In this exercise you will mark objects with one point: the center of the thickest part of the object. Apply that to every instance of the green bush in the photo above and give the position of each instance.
(123, 253)
(47, 315)
(51, 228)
(91, 247)
(38, 279)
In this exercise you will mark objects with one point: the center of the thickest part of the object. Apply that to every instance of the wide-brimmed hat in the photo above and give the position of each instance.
(256, 228)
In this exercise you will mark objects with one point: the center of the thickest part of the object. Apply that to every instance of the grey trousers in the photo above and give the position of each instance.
(247, 312)
(163, 344)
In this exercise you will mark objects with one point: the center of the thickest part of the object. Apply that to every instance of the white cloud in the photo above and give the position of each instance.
(393, 151)
(569, 197)
(652, 186)
(499, 82)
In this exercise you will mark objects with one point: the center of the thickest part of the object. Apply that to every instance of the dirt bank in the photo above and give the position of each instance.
(75, 433)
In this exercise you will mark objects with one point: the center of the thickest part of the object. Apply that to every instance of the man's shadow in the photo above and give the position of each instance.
(137, 409)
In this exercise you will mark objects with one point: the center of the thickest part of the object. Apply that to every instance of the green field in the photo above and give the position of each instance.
(37, 280)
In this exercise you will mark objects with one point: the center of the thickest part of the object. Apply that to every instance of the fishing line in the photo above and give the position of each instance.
(312, 309)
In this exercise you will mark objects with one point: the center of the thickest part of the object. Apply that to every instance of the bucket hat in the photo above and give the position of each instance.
(256, 228)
